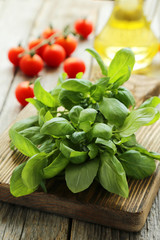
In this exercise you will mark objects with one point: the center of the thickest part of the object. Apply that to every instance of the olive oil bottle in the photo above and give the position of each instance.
(127, 27)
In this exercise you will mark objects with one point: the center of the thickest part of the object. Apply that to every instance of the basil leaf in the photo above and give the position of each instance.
(142, 150)
(78, 137)
(87, 118)
(151, 102)
(80, 177)
(57, 126)
(41, 116)
(135, 120)
(137, 165)
(37, 104)
(113, 110)
(101, 130)
(25, 123)
(121, 65)
(99, 60)
(74, 114)
(93, 150)
(62, 78)
(106, 144)
(23, 144)
(79, 75)
(17, 187)
(69, 99)
(77, 85)
(47, 146)
(125, 96)
(75, 157)
(58, 164)
(112, 175)
(32, 171)
(48, 116)
(33, 134)
(42, 95)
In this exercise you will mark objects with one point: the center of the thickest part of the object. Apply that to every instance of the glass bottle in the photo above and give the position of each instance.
(127, 27)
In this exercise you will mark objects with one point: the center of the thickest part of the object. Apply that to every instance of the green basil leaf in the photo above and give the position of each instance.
(97, 93)
(106, 144)
(74, 114)
(78, 137)
(23, 144)
(41, 116)
(151, 102)
(130, 141)
(75, 157)
(136, 119)
(32, 171)
(101, 130)
(99, 60)
(77, 85)
(55, 94)
(93, 150)
(79, 75)
(25, 123)
(62, 78)
(113, 110)
(48, 116)
(122, 79)
(33, 134)
(57, 166)
(57, 127)
(125, 96)
(144, 151)
(112, 175)
(137, 165)
(87, 118)
(37, 104)
(121, 65)
(17, 187)
(69, 99)
(80, 177)
(47, 146)
(156, 117)
(42, 95)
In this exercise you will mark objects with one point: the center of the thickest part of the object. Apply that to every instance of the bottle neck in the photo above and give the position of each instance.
(128, 10)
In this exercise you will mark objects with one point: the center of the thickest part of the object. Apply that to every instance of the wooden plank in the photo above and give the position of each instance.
(94, 204)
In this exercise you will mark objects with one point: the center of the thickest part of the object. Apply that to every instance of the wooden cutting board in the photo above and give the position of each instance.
(94, 204)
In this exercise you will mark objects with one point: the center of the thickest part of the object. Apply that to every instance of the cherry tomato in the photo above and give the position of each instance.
(34, 43)
(83, 27)
(54, 55)
(13, 55)
(31, 65)
(48, 32)
(69, 44)
(24, 90)
(72, 66)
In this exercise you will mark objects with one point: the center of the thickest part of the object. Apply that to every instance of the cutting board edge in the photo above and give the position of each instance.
(128, 221)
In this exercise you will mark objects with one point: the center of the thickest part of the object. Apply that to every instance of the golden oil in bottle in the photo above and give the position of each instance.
(127, 27)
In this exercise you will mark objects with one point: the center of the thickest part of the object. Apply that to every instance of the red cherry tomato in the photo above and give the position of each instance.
(54, 55)
(48, 32)
(72, 66)
(69, 44)
(31, 65)
(83, 27)
(36, 42)
(13, 55)
(24, 90)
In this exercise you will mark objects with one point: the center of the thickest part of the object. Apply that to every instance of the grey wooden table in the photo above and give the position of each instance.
(21, 21)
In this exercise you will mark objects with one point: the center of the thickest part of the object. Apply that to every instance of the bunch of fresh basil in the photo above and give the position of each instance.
(91, 137)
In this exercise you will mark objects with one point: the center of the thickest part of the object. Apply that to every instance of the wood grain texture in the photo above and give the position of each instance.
(27, 28)
(94, 204)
